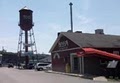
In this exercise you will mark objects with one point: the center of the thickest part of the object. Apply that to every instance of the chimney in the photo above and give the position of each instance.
(69, 31)
(99, 31)
(58, 34)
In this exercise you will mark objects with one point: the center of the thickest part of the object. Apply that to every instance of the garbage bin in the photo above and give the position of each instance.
(67, 68)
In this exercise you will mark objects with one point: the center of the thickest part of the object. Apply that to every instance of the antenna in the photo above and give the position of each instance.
(71, 21)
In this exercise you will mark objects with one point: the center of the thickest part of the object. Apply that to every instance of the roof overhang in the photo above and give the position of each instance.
(88, 51)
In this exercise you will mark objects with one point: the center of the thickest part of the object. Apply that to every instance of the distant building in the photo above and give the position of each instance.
(9, 57)
(84, 53)
(47, 59)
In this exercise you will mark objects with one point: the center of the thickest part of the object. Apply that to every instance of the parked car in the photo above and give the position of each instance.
(30, 66)
(49, 67)
(41, 66)
(10, 65)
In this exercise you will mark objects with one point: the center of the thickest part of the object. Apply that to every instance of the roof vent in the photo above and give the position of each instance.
(58, 33)
(78, 31)
(99, 31)
(69, 31)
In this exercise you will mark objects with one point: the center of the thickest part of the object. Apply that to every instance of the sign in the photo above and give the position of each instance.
(63, 45)
(56, 55)
(27, 17)
(29, 45)
(30, 53)
(112, 64)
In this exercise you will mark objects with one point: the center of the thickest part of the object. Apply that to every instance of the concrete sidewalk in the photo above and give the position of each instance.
(96, 78)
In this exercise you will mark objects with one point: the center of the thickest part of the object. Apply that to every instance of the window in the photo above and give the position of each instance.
(103, 62)
(116, 52)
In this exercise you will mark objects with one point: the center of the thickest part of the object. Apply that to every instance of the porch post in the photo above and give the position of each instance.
(82, 64)
(72, 61)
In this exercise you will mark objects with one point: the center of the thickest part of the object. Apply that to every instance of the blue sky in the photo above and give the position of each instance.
(52, 16)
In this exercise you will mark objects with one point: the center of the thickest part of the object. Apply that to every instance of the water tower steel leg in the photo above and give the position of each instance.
(26, 48)
(20, 46)
(31, 40)
(35, 44)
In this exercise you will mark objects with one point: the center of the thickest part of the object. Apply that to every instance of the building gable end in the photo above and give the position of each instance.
(63, 43)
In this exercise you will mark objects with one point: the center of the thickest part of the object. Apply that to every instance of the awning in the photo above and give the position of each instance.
(99, 52)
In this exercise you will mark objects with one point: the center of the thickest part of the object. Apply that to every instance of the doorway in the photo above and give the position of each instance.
(77, 63)
(74, 61)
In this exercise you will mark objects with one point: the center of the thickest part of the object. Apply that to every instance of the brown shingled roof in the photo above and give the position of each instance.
(94, 40)
(84, 40)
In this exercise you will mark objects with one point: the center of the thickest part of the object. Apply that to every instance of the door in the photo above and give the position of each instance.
(76, 64)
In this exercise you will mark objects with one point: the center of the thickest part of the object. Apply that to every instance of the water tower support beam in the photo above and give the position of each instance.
(26, 48)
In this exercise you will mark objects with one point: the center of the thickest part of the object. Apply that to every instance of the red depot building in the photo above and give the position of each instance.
(84, 53)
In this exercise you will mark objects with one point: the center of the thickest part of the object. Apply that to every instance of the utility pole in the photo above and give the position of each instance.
(71, 21)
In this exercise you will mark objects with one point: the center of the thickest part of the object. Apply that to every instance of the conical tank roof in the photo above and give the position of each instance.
(25, 8)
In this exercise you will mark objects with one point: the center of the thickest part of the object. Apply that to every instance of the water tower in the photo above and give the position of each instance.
(26, 44)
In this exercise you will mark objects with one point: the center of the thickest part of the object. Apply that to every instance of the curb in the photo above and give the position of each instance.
(75, 75)
(62, 73)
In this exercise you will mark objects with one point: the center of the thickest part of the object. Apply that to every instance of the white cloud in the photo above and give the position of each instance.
(83, 23)
(84, 20)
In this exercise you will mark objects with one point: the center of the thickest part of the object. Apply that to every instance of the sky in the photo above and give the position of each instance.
(53, 16)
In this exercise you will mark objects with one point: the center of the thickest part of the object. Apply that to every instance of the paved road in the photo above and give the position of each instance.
(12, 75)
